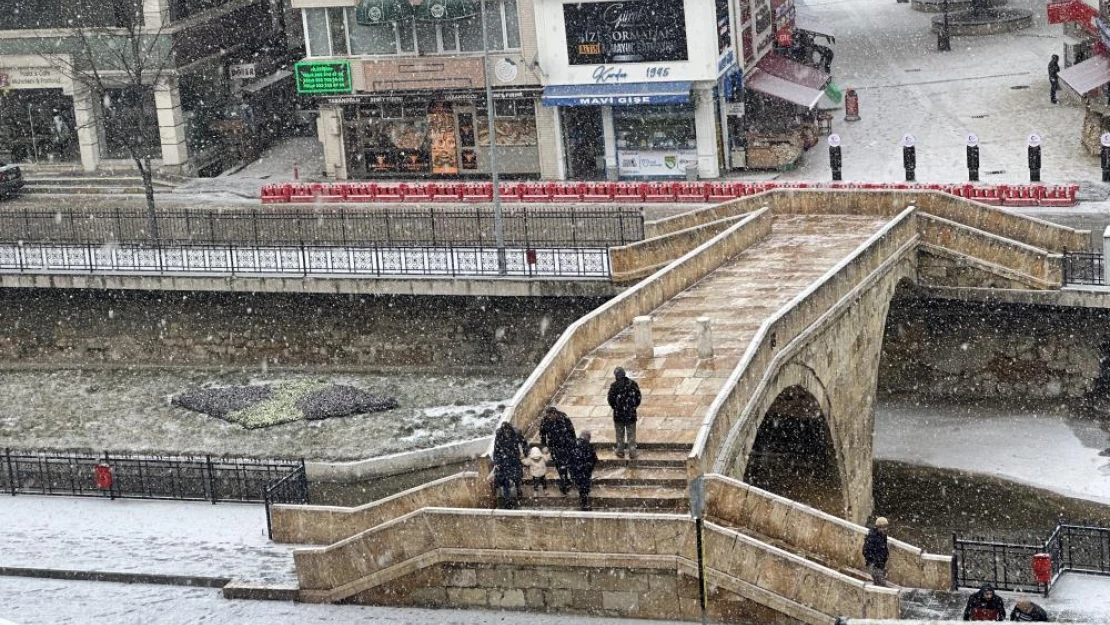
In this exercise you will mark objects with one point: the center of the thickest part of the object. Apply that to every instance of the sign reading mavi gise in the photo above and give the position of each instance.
(633, 31)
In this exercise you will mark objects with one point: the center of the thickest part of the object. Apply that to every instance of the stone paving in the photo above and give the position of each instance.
(677, 387)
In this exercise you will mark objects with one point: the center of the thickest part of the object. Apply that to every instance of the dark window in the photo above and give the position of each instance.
(24, 15)
(181, 9)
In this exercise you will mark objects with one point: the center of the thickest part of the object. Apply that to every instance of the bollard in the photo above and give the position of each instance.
(972, 157)
(851, 105)
(296, 171)
(1034, 158)
(909, 156)
(705, 339)
(645, 344)
(835, 160)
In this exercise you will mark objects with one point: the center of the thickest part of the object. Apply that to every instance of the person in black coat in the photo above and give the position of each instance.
(583, 460)
(509, 446)
(984, 605)
(1027, 612)
(557, 434)
(1053, 77)
(624, 398)
(876, 552)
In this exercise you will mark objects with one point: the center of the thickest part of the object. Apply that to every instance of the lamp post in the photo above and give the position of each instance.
(498, 222)
(944, 37)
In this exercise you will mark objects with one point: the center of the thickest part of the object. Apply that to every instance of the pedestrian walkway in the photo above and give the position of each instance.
(148, 537)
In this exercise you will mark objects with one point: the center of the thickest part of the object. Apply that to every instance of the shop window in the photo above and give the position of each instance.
(512, 25)
(392, 110)
(24, 15)
(316, 32)
(125, 111)
(655, 127)
(515, 123)
(337, 26)
(504, 108)
(427, 37)
(412, 36)
(181, 9)
(37, 125)
(369, 40)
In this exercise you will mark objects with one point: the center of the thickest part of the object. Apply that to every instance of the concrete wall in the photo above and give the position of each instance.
(832, 541)
(324, 525)
(586, 334)
(968, 350)
(86, 327)
(641, 259)
(627, 565)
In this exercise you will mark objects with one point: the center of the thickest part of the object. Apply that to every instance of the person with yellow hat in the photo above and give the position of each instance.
(875, 551)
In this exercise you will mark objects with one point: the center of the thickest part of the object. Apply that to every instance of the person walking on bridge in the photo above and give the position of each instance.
(583, 460)
(557, 435)
(876, 552)
(509, 447)
(624, 398)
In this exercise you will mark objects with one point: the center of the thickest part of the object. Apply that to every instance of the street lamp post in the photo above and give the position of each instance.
(498, 221)
(944, 38)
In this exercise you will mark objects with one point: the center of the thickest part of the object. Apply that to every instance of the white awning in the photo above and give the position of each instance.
(811, 24)
(776, 87)
(1088, 75)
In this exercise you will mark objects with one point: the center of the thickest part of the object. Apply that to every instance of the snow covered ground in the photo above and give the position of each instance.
(996, 87)
(128, 410)
(48, 602)
(1042, 447)
(135, 536)
(275, 165)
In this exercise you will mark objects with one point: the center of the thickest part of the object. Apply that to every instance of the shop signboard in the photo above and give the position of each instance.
(32, 77)
(656, 163)
(726, 50)
(323, 77)
(243, 71)
(630, 31)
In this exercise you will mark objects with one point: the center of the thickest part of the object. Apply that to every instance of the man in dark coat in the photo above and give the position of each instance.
(583, 460)
(1026, 611)
(984, 605)
(875, 551)
(1053, 77)
(624, 398)
(557, 434)
(509, 446)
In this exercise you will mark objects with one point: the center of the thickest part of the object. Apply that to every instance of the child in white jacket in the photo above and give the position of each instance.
(537, 466)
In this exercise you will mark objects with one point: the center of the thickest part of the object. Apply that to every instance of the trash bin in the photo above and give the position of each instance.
(692, 173)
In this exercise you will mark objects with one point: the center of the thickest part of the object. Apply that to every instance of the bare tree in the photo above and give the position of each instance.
(121, 60)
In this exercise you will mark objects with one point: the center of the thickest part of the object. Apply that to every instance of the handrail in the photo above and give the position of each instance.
(899, 230)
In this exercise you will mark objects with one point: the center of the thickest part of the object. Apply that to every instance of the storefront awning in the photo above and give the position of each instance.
(776, 87)
(811, 25)
(791, 71)
(617, 94)
(1090, 74)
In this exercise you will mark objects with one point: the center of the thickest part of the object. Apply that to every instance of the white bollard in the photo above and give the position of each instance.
(705, 339)
(1105, 255)
(641, 330)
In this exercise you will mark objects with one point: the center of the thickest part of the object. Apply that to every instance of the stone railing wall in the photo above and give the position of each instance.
(777, 331)
(324, 525)
(837, 542)
(589, 332)
(618, 563)
(643, 258)
(1040, 268)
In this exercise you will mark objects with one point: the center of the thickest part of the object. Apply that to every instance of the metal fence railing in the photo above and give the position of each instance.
(135, 476)
(291, 489)
(1009, 565)
(302, 260)
(326, 224)
(1085, 268)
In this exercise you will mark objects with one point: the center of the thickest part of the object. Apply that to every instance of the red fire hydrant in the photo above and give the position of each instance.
(1042, 569)
(851, 105)
(102, 476)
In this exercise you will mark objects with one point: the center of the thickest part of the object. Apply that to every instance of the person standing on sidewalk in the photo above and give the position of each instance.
(876, 552)
(1053, 77)
(624, 398)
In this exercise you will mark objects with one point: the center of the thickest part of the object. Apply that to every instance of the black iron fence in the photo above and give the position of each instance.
(1009, 565)
(131, 476)
(300, 260)
(1083, 268)
(432, 226)
(291, 489)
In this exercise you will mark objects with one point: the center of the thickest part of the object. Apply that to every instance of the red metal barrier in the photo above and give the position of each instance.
(390, 193)
(599, 192)
(478, 192)
(567, 192)
(692, 192)
(629, 192)
(659, 192)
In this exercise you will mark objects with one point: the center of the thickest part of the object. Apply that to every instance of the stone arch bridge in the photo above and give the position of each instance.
(796, 286)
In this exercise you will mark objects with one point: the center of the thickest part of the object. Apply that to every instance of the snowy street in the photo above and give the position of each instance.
(138, 536)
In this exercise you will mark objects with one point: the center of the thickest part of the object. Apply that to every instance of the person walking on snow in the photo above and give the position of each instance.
(1053, 77)
(1027, 611)
(876, 552)
(583, 460)
(508, 447)
(984, 605)
(537, 467)
(557, 435)
(624, 398)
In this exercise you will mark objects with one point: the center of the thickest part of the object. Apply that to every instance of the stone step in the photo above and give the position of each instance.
(646, 458)
(93, 181)
(90, 190)
(627, 475)
(602, 497)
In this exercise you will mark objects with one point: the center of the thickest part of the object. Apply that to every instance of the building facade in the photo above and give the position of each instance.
(219, 99)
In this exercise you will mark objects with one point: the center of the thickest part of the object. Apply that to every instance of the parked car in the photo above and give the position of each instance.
(11, 180)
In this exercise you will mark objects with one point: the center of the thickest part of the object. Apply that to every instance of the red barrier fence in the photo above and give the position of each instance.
(669, 192)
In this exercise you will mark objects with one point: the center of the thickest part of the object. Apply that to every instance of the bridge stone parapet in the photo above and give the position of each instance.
(997, 256)
(643, 258)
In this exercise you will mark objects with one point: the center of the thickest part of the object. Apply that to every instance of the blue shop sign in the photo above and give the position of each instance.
(628, 94)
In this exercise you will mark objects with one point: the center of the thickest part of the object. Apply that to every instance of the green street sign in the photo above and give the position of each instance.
(323, 77)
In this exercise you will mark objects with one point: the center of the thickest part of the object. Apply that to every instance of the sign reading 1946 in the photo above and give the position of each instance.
(323, 77)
